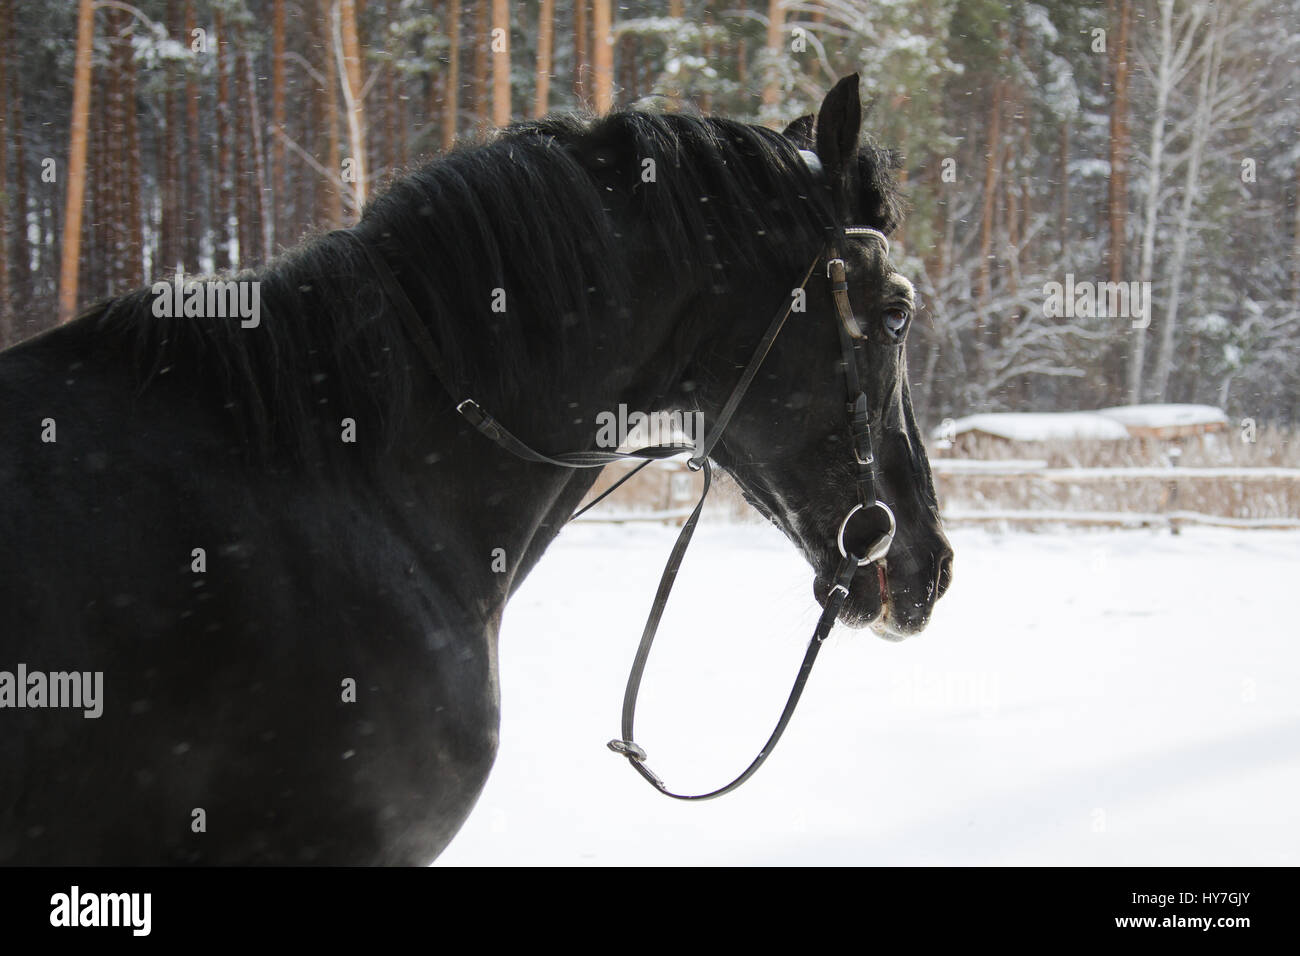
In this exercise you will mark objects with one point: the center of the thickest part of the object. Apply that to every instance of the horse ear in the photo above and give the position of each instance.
(800, 132)
(839, 126)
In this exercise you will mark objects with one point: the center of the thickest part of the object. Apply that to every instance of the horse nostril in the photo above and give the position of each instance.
(944, 577)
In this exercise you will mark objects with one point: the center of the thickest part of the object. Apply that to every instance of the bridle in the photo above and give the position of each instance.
(875, 515)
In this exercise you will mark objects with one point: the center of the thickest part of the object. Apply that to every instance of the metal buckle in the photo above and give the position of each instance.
(831, 262)
(628, 749)
(881, 547)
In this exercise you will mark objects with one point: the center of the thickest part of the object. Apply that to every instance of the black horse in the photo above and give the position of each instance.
(288, 555)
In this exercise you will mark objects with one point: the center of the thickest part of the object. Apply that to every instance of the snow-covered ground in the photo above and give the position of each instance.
(1112, 697)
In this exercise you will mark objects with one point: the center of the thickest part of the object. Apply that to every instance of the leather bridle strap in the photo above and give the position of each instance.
(848, 567)
(490, 428)
(830, 611)
(747, 377)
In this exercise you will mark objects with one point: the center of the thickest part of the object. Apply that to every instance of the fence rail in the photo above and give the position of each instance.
(1028, 491)
(1038, 469)
(1118, 519)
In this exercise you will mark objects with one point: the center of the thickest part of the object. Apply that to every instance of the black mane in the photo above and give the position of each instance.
(534, 212)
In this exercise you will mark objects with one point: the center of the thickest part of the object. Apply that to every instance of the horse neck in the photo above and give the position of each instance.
(503, 511)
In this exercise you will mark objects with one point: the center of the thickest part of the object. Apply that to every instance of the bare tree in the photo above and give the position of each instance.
(1176, 36)
(347, 51)
(1117, 195)
(1206, 88)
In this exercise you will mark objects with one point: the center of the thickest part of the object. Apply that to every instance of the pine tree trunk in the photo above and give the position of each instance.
(94, 260)
(108, 165)
(482, 48)
(278, 180)
(76, 171)
(392, 101)
(193, 224)
(545, 34)
(243, 164)
(501, 63)
(223, 240)
(771, 90)
(580, 51)
(706, 101)
(132, 268)
(23, 283)
(260, 227)
(348, 50)
(451, 102)
(1117, 193)
(602, 41)
(162, 245)
(333, 203)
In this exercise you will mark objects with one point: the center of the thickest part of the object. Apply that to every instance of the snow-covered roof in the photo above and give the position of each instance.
(1107, 424)
(1164, 416)
(1037, 426)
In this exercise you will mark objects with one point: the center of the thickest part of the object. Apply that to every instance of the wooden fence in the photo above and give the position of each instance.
(1024, 492)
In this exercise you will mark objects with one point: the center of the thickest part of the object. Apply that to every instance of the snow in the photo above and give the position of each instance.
(1037, 426)
(1164, 416)
(1105, 697)
(1105, 424)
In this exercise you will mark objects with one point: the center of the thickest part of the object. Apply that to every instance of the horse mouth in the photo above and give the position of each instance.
(869, 605)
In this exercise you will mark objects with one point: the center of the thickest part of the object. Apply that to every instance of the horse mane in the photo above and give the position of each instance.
(535, 211)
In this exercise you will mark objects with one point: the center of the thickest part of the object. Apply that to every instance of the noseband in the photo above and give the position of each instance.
(869, 545)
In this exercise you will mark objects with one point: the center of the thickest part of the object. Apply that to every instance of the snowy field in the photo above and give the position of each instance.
(1108, 697)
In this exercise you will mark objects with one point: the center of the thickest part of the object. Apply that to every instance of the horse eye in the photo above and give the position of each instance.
(895, 321)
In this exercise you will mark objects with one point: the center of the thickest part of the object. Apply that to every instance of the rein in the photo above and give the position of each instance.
(878, 533)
